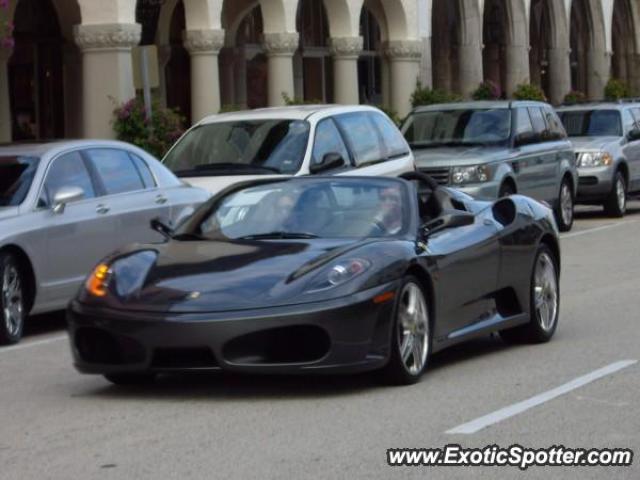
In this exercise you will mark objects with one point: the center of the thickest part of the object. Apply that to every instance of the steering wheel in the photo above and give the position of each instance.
(429, 204)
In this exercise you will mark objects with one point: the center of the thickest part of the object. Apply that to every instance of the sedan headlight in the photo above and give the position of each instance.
(473, 174)
(594, 159)
(339, 273)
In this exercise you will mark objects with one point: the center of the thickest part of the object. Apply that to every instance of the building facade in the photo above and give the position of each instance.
(72, 59)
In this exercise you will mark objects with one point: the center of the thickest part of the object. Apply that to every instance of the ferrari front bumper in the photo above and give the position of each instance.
(343, 335)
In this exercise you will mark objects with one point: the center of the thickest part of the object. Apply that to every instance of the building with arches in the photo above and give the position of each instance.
(72, 60)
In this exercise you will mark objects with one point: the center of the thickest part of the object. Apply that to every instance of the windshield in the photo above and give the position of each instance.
(305, 208)
(240, 148)
(592, 123)
(458, 127)
(16, 175)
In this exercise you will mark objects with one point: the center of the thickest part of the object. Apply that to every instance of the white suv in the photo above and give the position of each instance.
(289, 141)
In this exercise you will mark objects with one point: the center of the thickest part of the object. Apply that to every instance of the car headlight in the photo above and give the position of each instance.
(338, 274)
(98, 282)
(473, 174)
(594, 159)
(126, 274)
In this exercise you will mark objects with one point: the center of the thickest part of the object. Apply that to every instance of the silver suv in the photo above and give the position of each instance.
(606, 137)
(493, 149)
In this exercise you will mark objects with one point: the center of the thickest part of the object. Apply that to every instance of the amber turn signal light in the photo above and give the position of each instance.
(97, 282)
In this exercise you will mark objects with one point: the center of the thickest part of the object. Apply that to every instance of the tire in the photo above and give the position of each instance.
(616, 203)
(566, 204)
(541, 326)
(404, 369)
(13, 309)
(506, 190)
(131, 378)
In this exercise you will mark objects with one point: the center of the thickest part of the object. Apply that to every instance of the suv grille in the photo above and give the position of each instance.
(440, 175)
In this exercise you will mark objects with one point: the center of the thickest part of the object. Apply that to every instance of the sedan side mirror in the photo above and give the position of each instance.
(64, 196)
(162, 228)
(448, 219)
(330, 161)
(634, 135)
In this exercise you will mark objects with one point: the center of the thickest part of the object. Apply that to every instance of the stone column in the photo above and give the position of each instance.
(599, 64)
(345, 51)
(470, 68)
(203, 47)
(559, 74)
(5, 106)
(280, 48)
(404, 59)
(517, 60)
(633, 64)
(107, 73)
(426, 64)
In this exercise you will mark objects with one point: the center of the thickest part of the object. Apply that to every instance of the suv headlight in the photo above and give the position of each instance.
(473, 174)
(594, 159)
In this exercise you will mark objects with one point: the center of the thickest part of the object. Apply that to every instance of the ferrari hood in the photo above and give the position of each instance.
(221, 276)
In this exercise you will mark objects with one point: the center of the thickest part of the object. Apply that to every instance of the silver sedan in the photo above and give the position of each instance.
(64, 206)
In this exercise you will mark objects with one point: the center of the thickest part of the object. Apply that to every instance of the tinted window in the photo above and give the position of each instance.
(67, 171)
(392, 138)
(16, 175)
(636, 113)
(523, 122)
(458, 127)
(116, 170)
(328, 140)
(556, 130)
(246, 147)
(628, 121)
(362, 137)
(144, 171)
(592, 123)
(539, 127)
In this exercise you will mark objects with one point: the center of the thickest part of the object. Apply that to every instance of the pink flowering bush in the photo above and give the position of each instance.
(156, 134)
(487, 91)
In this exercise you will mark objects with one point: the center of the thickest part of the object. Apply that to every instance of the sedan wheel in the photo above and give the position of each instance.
(12, 300)
(411, 339)
(564, 212)
(616, 203)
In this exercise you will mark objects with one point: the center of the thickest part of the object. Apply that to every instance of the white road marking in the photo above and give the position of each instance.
(596, 229)
(35, 343)
(517, 408)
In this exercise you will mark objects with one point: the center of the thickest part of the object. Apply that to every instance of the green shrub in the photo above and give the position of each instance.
(155, 135)
(574, 97)
(391, 113)
(299, 101)
(527, 91)
(616, 89)
(487, 91)
(428, 96)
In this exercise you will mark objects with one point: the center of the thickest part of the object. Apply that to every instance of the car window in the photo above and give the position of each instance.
(116, 170)
(556, 130)
(16, 175)
(537, 120)
(628, 121)
(592, 123)
(636, 113)
(523, 122)
(391, 136)
(68, 170)
(328, 140)
(144, 171)
(362, 137)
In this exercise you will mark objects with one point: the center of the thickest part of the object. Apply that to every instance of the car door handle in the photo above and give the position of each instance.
(161, 200)
(102, 209)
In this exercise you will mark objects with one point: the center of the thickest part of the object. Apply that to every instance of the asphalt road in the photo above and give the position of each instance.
(58, 424)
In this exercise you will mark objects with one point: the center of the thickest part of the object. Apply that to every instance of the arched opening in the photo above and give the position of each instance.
(495, 35)
(313, 67)
(36, 80)
(580, 41)
(253, 66)
(446, 35)
(623, 42)
(540, 35)
(370, 61)
(178, 69)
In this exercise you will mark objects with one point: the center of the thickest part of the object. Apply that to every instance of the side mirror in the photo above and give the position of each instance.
(64, 196)
(448, 219)
(634, 135)
(162, 228)
(525, 138)
(330, 161)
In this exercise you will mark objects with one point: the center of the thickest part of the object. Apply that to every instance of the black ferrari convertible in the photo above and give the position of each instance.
(334, 274)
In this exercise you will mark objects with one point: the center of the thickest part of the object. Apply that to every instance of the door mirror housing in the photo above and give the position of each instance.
(448, 219)
(330, 161)
(64, 196)
(634, 135)
(161, 227)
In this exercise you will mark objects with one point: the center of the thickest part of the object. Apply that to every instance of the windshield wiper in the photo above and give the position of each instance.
(279, 235)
